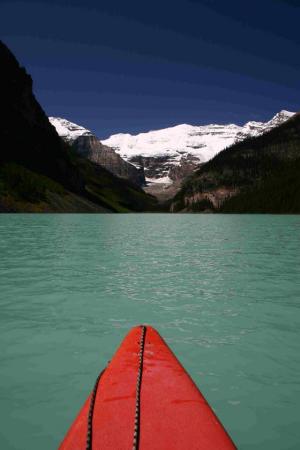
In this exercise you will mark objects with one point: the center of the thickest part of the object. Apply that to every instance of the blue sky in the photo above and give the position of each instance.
(132, 66)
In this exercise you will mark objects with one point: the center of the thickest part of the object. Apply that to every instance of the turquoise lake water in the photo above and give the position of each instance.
(223, 290)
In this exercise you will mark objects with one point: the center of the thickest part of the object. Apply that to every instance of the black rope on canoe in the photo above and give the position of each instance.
(89, 436)
(136, 434)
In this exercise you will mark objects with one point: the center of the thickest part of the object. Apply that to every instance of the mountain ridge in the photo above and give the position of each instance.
(201, 141)
(167, 156)
(258, 174)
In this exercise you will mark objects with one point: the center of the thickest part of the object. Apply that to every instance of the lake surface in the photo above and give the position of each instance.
(223, 290)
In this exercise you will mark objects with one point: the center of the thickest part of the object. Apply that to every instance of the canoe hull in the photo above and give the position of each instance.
(173, 412)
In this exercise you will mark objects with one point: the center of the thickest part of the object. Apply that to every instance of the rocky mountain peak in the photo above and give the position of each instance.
(280, 117)
(88, 145)
(69, 131)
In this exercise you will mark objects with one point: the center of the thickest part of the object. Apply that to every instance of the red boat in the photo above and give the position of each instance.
(145, 400)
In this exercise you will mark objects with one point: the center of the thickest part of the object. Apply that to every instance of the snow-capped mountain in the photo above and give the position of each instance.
(168, 155)
(173, 147)
(69, 131)
(88, 145)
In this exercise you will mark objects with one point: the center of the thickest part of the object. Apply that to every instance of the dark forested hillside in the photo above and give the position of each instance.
(278, 193)
(38, 171)
(257, 175)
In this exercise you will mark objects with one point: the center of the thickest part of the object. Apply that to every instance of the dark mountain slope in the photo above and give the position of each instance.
(27, 137)
(275, 194)
(38, 171)
(265, 168)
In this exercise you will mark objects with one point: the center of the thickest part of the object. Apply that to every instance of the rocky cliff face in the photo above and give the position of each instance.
(187, 165)
(161, 169)
(89, 146)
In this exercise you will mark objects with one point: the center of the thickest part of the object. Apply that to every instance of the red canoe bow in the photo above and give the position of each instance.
(146, 400)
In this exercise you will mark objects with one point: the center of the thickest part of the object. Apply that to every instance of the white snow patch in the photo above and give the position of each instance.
(162, 180)
(69, 131)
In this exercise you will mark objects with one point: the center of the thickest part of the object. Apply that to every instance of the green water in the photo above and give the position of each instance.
(223, 290)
